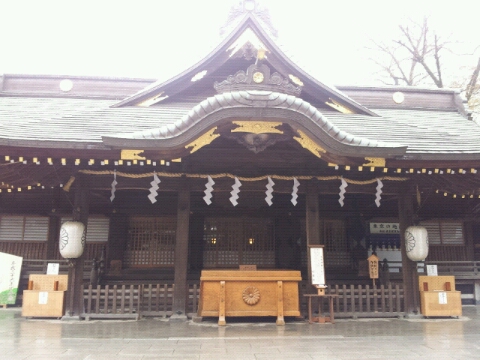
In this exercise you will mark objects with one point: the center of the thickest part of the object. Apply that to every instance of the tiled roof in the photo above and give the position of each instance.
(423, 131)
(51, 122)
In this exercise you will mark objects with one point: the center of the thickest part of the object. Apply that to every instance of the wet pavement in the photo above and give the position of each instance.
(157, 338)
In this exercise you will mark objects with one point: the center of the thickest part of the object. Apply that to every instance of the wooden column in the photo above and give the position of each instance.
(312, 214)
(117, 242)
(53, 233)
(409, 267)
(74, 301)
(181, 254)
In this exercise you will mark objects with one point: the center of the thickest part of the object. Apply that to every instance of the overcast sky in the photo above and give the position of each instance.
(157, 39)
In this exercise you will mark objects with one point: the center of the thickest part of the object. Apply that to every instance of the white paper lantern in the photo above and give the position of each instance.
(416, 243)
(72, 239)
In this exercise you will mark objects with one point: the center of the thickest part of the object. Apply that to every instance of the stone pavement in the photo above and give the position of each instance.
(440, 338)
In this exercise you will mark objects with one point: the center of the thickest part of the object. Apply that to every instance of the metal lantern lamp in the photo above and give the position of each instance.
(416, 243)
(72, 239)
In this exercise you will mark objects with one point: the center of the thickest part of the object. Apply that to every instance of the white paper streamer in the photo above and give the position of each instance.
(208, 190)
(378, 195)
(269, 191)
(235, 192)
(296, 184)
(342, 192)
(114, 184)
(153, 190)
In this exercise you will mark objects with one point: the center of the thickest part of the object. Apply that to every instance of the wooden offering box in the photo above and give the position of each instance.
(438, 296)
(46, 296)
(249, 293)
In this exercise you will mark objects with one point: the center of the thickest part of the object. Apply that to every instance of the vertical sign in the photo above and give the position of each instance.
(442, 297)
(432, 270)
(373, 266)
(317, 269)
(10, 267)
(53, 268)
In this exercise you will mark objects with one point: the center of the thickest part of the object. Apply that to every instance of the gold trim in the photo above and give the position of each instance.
(203, 140)
(375, 162)
(132, 155)
(309, 144)
(153, 100)
(340, 107)
(257, 127)
(69, 183)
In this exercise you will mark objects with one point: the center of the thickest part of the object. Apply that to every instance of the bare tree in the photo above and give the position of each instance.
(417, 57)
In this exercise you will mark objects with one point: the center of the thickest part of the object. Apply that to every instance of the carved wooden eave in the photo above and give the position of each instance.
(310, 128)
(228, 49)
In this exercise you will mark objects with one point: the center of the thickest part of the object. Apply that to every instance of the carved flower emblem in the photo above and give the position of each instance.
(251, 295)
(63, 238)
(409, 240)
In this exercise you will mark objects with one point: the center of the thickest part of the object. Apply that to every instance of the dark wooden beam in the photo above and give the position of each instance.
(181, 254)
(409, 268)
(74, 303)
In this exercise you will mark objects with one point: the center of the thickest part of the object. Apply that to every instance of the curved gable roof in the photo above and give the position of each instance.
(214, 111)
(223, 52)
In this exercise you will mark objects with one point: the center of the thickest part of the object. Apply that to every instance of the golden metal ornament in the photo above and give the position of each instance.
(258, 77)
(203, 140)
(69, 183)
(375, 162)
(257, 127)
(309, 144)
(339, 107)
(132, 155)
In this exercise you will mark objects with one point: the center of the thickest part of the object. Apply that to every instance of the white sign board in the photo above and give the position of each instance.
(43, 298)
(317, 266)
(10, 267)
(432, 270)
(384, 228)
(442, 297)
(53, 268)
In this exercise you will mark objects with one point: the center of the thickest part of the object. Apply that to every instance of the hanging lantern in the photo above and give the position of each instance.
(72, 239)
(416, 243)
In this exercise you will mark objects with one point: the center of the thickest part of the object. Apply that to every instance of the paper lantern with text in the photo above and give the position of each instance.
(416, 243)
(72, 239)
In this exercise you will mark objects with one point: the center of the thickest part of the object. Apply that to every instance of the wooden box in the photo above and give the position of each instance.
(249, 293)
(438, 296)
(46, 296)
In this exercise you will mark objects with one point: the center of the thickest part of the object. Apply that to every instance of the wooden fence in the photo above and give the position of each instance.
(368, 301)
(136, 300)
(459, 269)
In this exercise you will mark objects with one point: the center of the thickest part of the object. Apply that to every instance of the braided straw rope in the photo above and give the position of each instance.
(227, 175)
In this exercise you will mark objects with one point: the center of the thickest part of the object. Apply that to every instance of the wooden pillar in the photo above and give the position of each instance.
(74, 301)
(117, 242)
(53, 233)
(312, 214)
(181, 254)
(409, 267)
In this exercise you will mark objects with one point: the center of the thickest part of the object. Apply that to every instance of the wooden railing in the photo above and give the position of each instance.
(460, 269)
(367, 301)
(112, 301)
(134, 301)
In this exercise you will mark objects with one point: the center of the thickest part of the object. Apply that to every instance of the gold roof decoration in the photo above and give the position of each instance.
(309, 144)
(257, 127)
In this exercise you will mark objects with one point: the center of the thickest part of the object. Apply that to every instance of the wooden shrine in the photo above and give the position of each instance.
(249, 293)
(438, 296)
(45, 296)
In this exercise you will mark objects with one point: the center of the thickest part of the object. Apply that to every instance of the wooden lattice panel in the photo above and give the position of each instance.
(151, 242)
(229, 242)
(47, 282)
